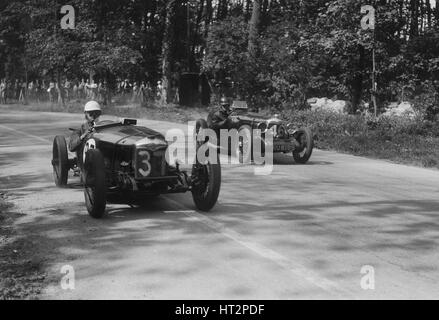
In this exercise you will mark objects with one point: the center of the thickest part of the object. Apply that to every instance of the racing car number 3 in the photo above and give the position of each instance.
(145, 170)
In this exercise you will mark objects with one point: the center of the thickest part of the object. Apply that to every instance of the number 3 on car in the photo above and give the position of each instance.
(144, 164)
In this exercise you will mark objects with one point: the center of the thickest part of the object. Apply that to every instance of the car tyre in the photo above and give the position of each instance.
(305, 139)
(206, 184)
(60, 161)
(95, 189)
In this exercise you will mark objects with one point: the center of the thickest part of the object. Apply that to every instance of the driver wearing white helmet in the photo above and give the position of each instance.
(92, 111)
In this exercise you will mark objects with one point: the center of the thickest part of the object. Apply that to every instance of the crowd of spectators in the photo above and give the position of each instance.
(54, 92)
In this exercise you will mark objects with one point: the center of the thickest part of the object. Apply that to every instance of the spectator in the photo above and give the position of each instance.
(3, 90)
(102, 92)
(148, 91)
(135, 93)
(31, 90)
(142, 92)
(75, 90)
(127, 86)
(43, 91)
(67, 89)
(51, 91)
(22, 95)
(159, 90)
(17, 88)
(87, 89)
(92, 89)
(81, 89)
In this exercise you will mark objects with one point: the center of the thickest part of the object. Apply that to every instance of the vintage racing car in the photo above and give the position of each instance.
(287, 138)
(120, 160)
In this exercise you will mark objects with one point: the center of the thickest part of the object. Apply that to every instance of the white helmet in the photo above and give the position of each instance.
(92, 106)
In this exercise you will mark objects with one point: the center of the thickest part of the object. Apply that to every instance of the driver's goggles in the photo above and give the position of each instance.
(94, 114)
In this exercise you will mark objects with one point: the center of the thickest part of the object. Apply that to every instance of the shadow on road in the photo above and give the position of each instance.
(274, 210)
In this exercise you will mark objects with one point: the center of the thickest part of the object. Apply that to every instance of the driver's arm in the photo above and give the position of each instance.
(217, 122)
(76, 137)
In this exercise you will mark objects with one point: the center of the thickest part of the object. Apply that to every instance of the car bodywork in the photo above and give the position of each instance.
(286, 137)
(134, 156)
(134, 165)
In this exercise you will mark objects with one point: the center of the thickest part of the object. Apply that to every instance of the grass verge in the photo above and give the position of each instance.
(21, 275)
(412, 141)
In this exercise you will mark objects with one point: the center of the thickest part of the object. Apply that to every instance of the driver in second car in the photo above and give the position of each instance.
(220, 119)
(92, 111)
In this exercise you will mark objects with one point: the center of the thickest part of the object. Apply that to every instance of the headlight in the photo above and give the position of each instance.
(262, 126)
(273, 128)
(281, 131)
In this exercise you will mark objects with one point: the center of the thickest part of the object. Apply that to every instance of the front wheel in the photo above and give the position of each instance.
(306, 144)
(60, 161)
(95, 189)
(206, 184)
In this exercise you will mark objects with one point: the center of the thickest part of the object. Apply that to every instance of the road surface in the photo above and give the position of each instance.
(340, 227)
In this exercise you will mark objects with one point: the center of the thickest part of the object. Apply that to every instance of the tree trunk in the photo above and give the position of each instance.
(265, 12)
(222, 9)
(167, 51)
(207, 17)
(357, 83)
(429, 11)
(197, 28)
(247, 9)
(254, 29)
(436, 14)
(414, 23)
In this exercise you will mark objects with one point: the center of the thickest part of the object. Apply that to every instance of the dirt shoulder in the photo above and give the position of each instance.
(22, 273)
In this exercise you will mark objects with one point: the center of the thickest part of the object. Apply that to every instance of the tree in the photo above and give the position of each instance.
(254, 29)
(167, 50)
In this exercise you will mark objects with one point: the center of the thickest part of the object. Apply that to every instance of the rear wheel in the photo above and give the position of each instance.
(95, 189)
(206, 184)
(60, 161)
(306, 144)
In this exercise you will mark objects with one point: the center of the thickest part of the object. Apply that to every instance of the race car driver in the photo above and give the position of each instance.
(220, 119)
(92, 111)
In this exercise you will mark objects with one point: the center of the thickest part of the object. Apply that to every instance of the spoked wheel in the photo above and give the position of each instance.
(243, 149)
(306, 142)
(95, 189)
(60, 161)
(206, 184)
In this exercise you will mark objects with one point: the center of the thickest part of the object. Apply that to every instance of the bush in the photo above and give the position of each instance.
(401, 139)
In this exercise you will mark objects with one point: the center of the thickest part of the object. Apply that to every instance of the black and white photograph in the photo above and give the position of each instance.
(219, 150)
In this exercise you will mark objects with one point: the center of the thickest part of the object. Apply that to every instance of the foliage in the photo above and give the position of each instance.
(320, 50)
(310, 48)
(401, 139)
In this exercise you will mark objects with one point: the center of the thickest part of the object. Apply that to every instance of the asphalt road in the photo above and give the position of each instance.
(303, 232)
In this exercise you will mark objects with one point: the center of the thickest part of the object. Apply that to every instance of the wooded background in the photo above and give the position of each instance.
(277, 53)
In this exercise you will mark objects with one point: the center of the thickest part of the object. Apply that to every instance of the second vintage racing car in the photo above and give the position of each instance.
(120, 160)
(287, 138)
